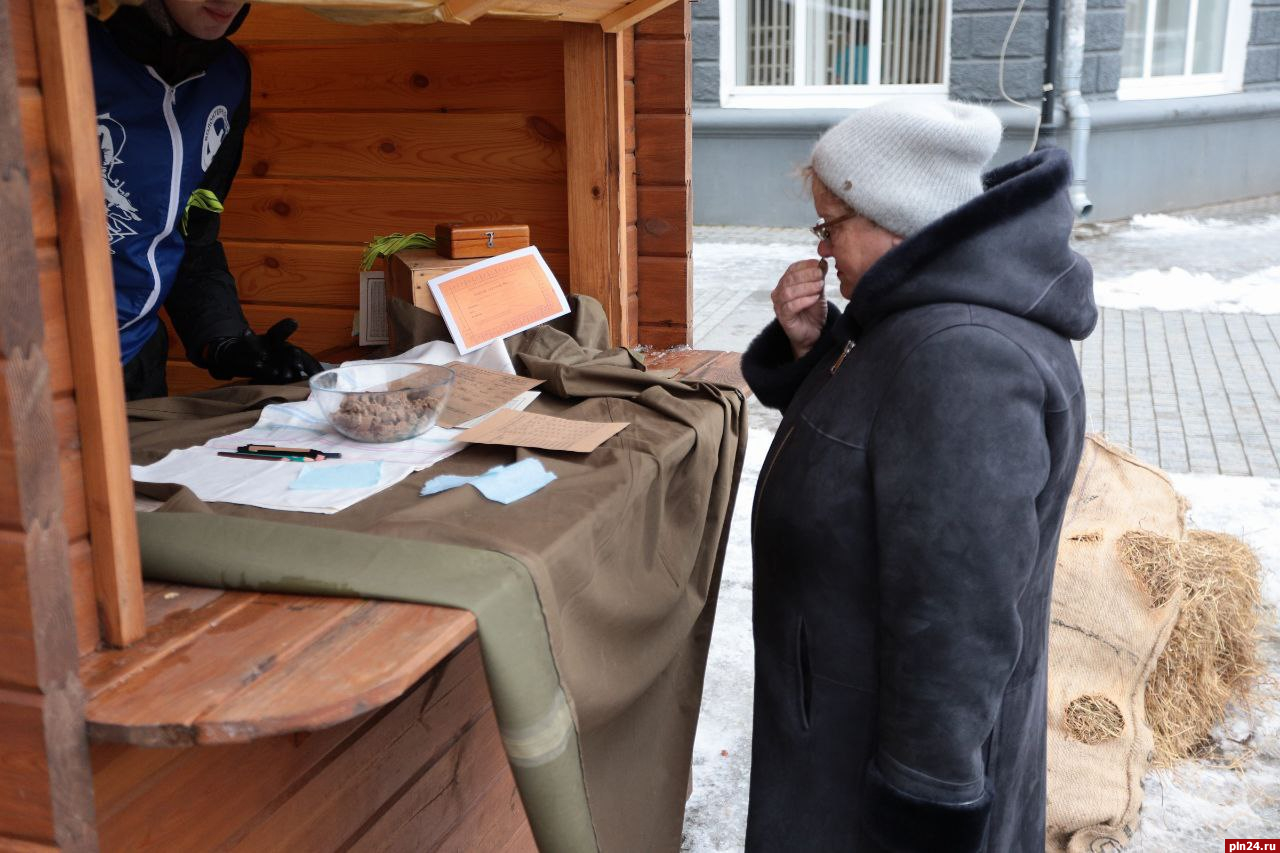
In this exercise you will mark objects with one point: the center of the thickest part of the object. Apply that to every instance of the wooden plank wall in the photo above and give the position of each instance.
(56, 347)
(664, 176)
(45, 794)
(364, 130)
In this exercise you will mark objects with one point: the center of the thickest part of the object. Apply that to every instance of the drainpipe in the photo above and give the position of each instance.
(1078, 120)
(1048, 125)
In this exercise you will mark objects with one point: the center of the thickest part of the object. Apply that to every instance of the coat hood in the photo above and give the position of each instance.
(1006, 249)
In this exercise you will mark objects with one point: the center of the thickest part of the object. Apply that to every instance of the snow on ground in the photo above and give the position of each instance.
(1195, 806)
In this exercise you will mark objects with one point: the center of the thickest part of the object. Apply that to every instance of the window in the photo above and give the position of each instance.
(1182, 48)
(834, 53)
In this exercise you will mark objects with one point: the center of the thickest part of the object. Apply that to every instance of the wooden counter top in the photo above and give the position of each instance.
(220, 666)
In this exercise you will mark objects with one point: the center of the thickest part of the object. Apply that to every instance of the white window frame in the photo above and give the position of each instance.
(1230, 79)
(821, 97)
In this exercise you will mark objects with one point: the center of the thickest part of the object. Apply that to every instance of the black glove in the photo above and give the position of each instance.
(266, 360)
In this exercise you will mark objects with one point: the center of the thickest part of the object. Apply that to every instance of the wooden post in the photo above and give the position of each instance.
(664, 166)
(595, 129)
(46, 794)
(67, 85)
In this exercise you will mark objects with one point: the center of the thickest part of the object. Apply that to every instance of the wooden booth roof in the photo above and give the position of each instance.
(612, 15)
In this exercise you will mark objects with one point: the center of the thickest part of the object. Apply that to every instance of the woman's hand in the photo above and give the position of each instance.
(800, 304)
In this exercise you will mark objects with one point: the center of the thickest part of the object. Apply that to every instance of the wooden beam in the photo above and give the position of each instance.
(594, 138)
(46, 791)
(67, 85)
(465, 11)
(632, 14)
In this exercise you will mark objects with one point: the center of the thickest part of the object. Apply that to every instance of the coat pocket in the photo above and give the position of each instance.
(804, 672)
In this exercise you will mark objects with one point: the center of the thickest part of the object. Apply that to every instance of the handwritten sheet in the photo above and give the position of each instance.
(525, 429)
(477, 391)
(497, 297)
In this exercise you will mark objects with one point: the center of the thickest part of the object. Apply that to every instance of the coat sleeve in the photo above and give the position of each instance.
(771, 368)
(203, 303)
(958, 456)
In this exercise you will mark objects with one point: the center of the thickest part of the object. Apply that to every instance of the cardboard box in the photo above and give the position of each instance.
(458, 240)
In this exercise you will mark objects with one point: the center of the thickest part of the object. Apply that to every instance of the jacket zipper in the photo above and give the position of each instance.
(835, 365)
(175, 181)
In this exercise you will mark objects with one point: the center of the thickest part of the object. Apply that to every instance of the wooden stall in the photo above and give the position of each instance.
(147, 717)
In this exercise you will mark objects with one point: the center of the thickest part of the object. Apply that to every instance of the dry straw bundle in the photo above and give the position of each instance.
(1211, 659)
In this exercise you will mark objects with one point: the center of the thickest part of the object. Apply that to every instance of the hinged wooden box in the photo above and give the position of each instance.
(458, 240)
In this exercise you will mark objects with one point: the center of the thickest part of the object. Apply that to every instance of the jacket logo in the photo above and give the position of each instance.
(215, 130)
(120, 211)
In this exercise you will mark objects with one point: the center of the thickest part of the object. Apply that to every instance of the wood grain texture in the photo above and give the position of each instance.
(507, 77)
(373, 780)
(664, 222)
(23, 39)
(44, 219)
(672, 21)
(67, 85)
(664, 150)
(666, 298)
(286, 24)
(663, 75)
(399, 778)
(443, 797)
(515, 146)
(465, 11)
(596, 190)
(664, 336)
(633, 13)
(353, 212)
(45, 788)
(239, 666)
(57, 343)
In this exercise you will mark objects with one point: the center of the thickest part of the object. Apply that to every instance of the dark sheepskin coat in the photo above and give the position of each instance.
(905, 529)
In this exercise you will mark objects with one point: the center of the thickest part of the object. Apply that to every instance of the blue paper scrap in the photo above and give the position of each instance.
(349, 475)
(504, 484)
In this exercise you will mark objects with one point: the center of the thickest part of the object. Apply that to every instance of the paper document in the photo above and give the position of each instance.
(497, 297)
(525, 429)
(323, 487)
(477, 391)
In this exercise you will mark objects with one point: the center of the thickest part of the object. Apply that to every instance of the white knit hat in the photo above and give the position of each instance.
(904, 163)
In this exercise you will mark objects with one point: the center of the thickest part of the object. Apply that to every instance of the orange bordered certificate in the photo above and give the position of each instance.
(497, 297)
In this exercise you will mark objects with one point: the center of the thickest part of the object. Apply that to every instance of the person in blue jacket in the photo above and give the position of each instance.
(173, 103)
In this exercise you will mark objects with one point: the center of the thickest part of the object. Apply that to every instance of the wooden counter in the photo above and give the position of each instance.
(298, 723)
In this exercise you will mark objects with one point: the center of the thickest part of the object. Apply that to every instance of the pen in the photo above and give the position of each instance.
(272, 450)
(268, 457)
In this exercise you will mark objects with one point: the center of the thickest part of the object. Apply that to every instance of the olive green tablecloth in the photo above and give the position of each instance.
(594, 596)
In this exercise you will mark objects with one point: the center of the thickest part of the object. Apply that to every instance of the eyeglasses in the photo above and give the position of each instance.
(822, 228)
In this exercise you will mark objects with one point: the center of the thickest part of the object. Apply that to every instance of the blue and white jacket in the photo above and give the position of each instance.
(171, 117)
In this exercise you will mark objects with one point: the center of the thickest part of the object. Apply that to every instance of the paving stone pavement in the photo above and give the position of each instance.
(1188, 391)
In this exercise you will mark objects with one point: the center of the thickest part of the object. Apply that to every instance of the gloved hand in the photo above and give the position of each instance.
(265, 359)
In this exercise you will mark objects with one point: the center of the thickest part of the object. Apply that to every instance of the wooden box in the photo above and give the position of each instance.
(456, 240)
(409, 270)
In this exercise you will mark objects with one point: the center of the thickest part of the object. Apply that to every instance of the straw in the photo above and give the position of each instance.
(1211, 659)
(1094, 719)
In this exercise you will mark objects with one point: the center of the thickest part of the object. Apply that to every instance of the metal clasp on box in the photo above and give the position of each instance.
(489, 236)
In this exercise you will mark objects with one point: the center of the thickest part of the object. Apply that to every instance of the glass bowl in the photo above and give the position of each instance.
(389, 401)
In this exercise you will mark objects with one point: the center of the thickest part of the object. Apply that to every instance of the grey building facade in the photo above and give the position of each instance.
(1179, 117)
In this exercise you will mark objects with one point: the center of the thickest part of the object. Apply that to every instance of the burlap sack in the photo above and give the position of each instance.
(1104, 640)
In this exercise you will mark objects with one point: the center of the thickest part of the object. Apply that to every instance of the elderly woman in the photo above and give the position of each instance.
(907, 516)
